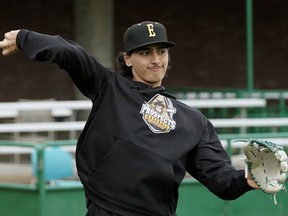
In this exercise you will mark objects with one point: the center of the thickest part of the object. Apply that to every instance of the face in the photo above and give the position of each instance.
(149, 64)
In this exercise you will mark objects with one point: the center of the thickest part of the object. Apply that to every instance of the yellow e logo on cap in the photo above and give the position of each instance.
(151, 30)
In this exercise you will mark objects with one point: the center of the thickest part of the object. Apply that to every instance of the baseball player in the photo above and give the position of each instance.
(139, 140)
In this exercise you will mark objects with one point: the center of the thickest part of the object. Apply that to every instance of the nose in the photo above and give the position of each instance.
(155, 58)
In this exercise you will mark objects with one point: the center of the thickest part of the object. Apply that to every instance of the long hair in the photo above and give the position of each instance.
(122, 68)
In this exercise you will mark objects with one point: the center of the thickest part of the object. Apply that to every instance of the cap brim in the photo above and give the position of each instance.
(168, 44)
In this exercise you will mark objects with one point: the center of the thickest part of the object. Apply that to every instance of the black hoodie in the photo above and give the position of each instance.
(138, 141)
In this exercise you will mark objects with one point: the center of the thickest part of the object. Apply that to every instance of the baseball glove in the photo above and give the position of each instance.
(266, 163)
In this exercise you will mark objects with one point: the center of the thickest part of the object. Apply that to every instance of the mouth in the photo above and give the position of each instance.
(155, 68)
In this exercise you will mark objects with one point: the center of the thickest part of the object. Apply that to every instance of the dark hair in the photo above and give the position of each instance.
(122, 68)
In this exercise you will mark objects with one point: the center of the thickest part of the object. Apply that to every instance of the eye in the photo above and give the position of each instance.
(162, 51)
(144, 52)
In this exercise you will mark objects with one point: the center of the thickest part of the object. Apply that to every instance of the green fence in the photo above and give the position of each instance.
(41, 199)
(34, 201)
(196, 200)
(277, 101)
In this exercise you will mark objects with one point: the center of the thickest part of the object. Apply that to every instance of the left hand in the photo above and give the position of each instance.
(250, 181)
(252, 184)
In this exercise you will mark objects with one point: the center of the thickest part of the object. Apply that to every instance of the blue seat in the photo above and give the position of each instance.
(58, 164)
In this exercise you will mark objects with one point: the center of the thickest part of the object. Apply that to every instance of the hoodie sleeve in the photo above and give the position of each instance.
(87, 74)
(210, 164)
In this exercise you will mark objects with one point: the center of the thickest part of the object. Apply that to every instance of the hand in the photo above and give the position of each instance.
(9, 45)
(252, 184)
(250, 181)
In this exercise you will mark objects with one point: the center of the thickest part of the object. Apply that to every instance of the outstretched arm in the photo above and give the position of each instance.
(8, 45)
(86, 72)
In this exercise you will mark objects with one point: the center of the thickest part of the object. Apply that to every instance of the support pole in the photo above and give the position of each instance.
(249, 37)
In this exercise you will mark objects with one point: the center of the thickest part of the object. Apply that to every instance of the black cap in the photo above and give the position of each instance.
(143, 34)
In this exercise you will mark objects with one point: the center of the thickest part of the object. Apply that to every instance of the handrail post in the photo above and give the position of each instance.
(41, 178)
(229, 147)
(249, 38)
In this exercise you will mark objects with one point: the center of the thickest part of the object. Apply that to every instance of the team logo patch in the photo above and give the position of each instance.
(158, 114)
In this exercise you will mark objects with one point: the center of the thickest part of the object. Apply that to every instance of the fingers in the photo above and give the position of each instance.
(3, 44)
(252, 184)
(7, 48)
(9, 45)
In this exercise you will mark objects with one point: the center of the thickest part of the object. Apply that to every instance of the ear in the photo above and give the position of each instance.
(127, 59)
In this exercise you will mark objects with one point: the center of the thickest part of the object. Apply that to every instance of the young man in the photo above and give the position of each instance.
(139, 140)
